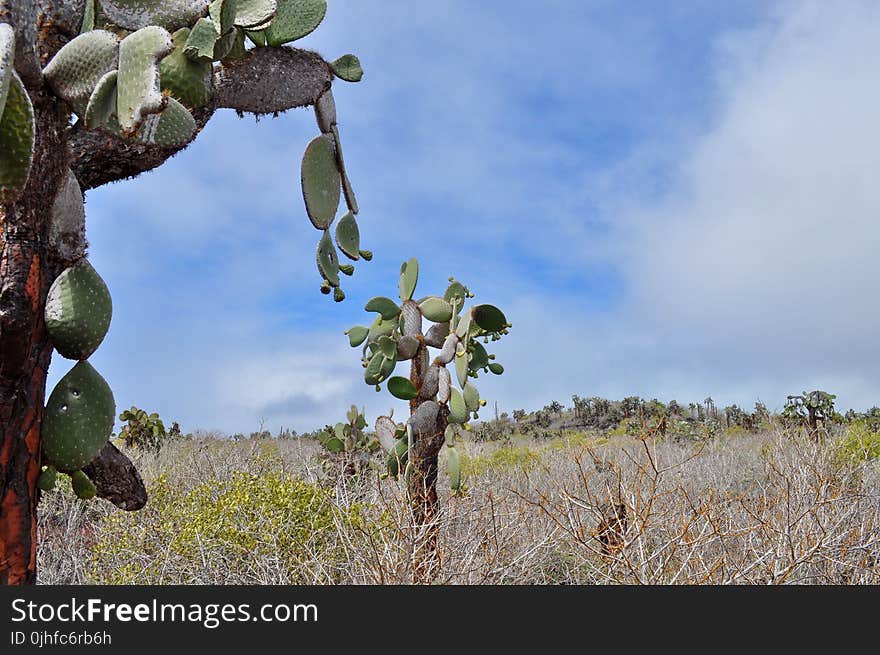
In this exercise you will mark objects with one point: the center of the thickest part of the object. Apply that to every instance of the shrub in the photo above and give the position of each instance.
(231, 527)
(860, 443)
(505, 458)
(145, 431)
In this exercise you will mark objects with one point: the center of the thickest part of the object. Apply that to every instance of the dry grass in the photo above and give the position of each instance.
(773, 508)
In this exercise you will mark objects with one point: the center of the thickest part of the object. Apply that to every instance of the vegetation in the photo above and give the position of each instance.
(96, 92)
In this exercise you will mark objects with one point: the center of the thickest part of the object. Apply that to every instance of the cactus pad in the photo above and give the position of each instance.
(7, 63)
(436, 309)
(458, 412)
(138, 90)
(78, 311)
(170, 14)
(320, 181)
(83, 487)
(386, 429)
(455, 295)
(201, 40)
(386, 307)
(68, 223)
(409, 277)
(348, 68)
(325, 112)
(397, 457)
(16, 140)
(348, 236)
(489, 318)
(402, 388)
(357, 335)
(173, 127)
(471, 396)
(254, 13)
(347, 190)
(328, 260)
(453, 468)
(222, 12)
(294, 19)
(186, 80)
(78, 418)
(48, 478)
(76, 68)
(102, 103)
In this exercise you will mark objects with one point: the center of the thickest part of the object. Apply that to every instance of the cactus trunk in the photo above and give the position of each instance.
(27, 268)
(422, 484)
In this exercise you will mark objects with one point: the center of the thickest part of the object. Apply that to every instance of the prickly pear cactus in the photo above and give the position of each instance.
(16, 122)
(349, 448)
(132, 77)
(459, 336)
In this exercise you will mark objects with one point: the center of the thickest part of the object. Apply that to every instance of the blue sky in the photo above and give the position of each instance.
(669, 199)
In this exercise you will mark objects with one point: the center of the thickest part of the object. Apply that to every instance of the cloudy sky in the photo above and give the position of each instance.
(671, 199)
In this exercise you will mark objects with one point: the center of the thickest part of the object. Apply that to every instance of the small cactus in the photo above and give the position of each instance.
(436, 406)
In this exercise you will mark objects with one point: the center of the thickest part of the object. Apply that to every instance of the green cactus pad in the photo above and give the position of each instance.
(479, 356)
(348, 68)
(254, 13)
(386, 307)
(461, 367)
(453, 468)
(458, 412)
(397, 457)
(489, 318)
(222, 12)
(16, 141)
(83, 487)
(224, 45)
(334, 445)
(402, 388)
(455, 295)
(328, 260)
(88, 23)
(381, 328)
(75, 69)
(387, 346)
(238, 50)
(294, 19)
(102, 103)
(139, 93)
(187, 80)
(471, 396)
(48, 478)
(174, 127)
(7, 63)
(257, 38)
(170, 14)
(357, 335)
(201, 40)
(373, 372)
(348, 236)
(436, 309)
(78, 418)
(497, 369)
(320, 181)
(409, 277)
(78, 311)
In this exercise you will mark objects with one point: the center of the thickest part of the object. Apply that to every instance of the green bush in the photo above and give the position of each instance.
(184, 537)
(859, 443)
(505, 458)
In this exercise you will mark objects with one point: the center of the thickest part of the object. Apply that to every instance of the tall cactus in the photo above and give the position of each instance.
(97, 91)
(441, 391)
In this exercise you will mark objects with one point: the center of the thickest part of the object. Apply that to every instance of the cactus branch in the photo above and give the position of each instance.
(268, 80)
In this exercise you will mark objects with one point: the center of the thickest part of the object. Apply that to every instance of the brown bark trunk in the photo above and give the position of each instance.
(27, 268)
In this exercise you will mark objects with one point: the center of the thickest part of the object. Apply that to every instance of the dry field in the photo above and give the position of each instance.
(769, 508)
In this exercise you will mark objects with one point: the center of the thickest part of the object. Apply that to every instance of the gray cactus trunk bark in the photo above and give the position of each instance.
(27, 269)
(422, 485)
